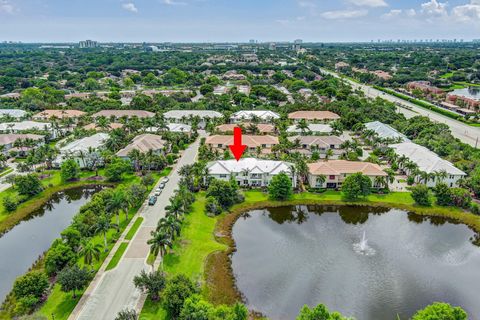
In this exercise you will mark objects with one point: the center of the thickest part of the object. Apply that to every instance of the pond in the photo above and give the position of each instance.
(470, 92)
(365, 262)
(21, 246)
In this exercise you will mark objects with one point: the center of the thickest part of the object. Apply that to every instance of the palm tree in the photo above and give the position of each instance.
(90, 251)
(159, 243)
(390, 177)
(321, 179)
(171, 224)
(302, 125)
(175, 207)
(379, 181)
(115, 204)
(440, 175)
(301, 169)
(103, 225)
(329, 154)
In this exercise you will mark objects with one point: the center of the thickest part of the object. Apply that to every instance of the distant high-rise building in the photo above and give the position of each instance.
(252, 41)
(272, 46)
(297, 44)
(88, 44)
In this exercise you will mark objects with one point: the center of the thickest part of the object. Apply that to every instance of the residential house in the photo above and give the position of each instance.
(313, 129)
(385, 131)
(111, 126)
(250, 172)
(425, 87)
(185, 116)
(49, 114)
(219, 90)
(11, 95)
(341, 65)
(78, 95)
(144, 143)
(13, 113)
(264, 116)
(19, 127)
(233, 75)
(313, 116)
(260, 128)
(253, 142)
(10, 141)
(429, 162)
(331, 174)
(85, 151)
(327, 146)
(117, 114)
(172, 127)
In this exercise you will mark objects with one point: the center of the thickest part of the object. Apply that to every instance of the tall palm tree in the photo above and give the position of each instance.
(90, 251)
(175, 207)
(302, 125)
(103, 225)
(159, 243)
(171, 224)
(115, 204)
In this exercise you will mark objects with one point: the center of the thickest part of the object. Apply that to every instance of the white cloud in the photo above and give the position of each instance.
(411, 12)
(369, 3)
(306, 4)
(392, 14)
(467, 12)
(344, 14)
(434, 8)
(6, 7)
(174, 3)
(130, 7)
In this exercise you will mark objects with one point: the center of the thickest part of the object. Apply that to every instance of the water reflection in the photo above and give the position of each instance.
(290, 256)
(22, 245)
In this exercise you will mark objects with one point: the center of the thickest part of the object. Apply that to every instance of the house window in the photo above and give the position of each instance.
(223, 176)
(219, 145)
(264, 145)
(331, 177)
(332, 146)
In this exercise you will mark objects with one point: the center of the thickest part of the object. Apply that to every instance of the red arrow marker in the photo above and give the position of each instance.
(237, 148)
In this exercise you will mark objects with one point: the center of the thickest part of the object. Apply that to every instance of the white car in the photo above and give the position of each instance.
(158, 191)
(165, 180)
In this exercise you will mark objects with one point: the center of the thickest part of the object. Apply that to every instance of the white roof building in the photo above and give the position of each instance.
(250, 171)
(385, 131)
(83, 145)
(313, 128)
(429, 162)
(179, 114)
(24, 125)
(264, 115)
(172, 127)
(16, 113)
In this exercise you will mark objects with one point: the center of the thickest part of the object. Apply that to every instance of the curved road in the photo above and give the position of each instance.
(464, 132)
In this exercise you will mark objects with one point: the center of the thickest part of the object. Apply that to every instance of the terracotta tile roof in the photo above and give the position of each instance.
(252, 141)
(337, 167)
(94, 126)
(262, 127)
(123, 113)
(47, 114)
(9, 138)
(143, 143)
(314, 115)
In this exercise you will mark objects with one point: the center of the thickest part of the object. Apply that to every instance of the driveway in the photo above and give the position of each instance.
(113, 291)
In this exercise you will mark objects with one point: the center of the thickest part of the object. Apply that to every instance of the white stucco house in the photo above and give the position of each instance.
(250, 172)
(247, 115)
(84, 151)
(429, 162)
(185, 116)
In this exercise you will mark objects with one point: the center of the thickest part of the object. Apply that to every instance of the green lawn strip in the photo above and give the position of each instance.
(189, 252)
(197, 239)
(5, 172)
(61, 304)
(133, 230)
(117, 256)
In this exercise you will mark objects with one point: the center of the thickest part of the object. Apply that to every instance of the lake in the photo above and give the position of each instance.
(21, 246)
(290, 256)
(470, 92)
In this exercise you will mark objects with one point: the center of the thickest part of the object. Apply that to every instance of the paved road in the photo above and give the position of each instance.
(113, 291)
(460, 130)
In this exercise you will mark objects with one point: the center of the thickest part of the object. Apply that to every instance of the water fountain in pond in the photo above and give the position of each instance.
(362, 247)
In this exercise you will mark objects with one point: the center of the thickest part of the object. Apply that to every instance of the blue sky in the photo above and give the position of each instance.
(229, 20)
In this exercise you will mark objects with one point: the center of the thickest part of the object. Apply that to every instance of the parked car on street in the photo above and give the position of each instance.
(152, 200)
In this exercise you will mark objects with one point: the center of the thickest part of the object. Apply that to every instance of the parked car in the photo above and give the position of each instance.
(158, 191)
(152, 200)
(161, 185)
(165, 180)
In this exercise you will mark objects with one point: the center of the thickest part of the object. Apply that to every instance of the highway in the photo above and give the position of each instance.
(460, 130)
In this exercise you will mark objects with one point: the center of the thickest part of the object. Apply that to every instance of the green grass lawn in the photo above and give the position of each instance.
(189, 252)
(133, 230)
(117, 256)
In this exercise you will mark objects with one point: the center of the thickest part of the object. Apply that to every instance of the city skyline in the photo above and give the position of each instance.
(226, 21)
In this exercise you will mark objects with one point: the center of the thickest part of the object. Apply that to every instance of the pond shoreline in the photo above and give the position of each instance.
(220, 281)
(27, 208)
